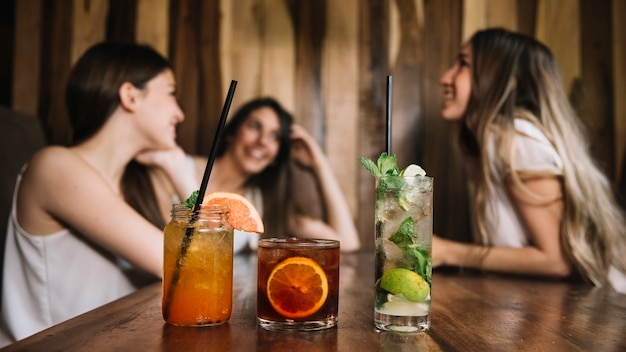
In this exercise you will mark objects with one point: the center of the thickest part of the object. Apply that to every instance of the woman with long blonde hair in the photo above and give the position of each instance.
(542, 206)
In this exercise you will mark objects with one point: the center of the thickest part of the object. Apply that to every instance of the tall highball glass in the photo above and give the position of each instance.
(404, 227)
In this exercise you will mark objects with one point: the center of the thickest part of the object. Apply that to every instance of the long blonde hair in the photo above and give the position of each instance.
(515, 76)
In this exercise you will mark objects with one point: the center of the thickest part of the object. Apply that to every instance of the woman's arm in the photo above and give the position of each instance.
(542, 219)
(307, 153)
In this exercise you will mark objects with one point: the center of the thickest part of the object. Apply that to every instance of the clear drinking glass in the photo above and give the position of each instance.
(404, 226)
(298, 284)
(197, 267)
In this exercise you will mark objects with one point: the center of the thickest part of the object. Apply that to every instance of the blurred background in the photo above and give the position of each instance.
(327, 62)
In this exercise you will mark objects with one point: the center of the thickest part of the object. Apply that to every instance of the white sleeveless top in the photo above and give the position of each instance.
(49, 279)
(533, 152)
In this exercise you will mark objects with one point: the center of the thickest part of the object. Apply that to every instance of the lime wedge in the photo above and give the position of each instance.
(406, 282)
(413, 170)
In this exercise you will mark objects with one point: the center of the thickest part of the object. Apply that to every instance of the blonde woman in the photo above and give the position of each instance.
(543, 207)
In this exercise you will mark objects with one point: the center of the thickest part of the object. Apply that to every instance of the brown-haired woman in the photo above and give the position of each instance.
(70, 225)
(253, 159)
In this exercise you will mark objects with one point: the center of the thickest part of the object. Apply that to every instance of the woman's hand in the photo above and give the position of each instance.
(169, 160)
(438, 251)
(305, 151)
(175, 165)
(308, 154)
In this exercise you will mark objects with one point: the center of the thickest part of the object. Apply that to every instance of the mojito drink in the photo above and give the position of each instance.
(404, 221)
(403, 244)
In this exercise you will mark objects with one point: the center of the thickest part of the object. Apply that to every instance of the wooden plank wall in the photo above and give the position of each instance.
(327, 62)
(619, 87)
(442, 39)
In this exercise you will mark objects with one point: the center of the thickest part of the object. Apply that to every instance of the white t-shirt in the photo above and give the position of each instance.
(49, 279)
(533, 152)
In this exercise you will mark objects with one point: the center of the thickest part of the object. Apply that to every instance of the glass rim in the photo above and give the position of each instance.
(295, 242)
(203, 206)
(415, 176)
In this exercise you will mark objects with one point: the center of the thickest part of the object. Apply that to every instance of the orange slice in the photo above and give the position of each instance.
(297, 287)
(242, 215)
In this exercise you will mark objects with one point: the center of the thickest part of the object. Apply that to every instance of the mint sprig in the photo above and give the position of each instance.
(191, 201)
(416, 258)
(386, 165)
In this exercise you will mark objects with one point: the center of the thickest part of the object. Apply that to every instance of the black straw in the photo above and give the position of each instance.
(203, 186)
(216, 141)
(388, 114)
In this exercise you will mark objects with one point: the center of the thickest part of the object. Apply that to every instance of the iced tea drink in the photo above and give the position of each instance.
(198, 267)
(297, 284)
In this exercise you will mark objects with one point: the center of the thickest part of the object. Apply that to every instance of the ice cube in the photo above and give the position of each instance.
(398, 305)
(393, 253)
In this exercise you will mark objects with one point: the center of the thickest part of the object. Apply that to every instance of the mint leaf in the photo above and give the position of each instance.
(370, 166)
(422, 262)
(388, 165)
(394, 186)
(406, 235)
(382, 187)
(191, 201)
(416, 258)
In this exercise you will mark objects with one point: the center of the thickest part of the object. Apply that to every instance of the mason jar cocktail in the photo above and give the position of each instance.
(197, 267)
(404, 226)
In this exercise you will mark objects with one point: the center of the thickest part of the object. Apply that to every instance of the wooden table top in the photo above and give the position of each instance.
(470, 312)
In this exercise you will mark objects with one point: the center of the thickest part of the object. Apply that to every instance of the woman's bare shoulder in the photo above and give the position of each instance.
(52, 154)
(54, 162)
(47, 187)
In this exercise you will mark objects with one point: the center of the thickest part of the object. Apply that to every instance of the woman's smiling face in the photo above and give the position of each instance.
(457, 86)
(159, 111)
(256, 143)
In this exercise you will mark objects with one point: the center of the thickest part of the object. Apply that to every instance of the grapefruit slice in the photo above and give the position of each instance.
(242, 215)
(297, 287)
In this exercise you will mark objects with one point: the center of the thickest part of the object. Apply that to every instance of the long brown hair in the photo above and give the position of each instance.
(92, 96)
